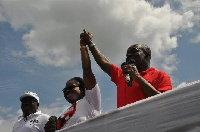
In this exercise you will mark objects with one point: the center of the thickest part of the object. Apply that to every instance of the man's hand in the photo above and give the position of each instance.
(85, 38)
(131, 70)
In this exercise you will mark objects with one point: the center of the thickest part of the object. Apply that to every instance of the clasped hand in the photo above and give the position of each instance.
(85, 38)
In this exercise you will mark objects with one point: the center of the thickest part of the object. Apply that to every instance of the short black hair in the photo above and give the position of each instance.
(81, 83)
(143, 47)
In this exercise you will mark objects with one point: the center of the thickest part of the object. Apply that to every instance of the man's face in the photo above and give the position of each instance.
(29, 105)
(72, 92)
(136, 55)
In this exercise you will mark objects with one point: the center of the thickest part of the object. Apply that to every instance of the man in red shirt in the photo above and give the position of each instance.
(145, 81)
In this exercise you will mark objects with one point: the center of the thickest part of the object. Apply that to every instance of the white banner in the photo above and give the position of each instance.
(173, 111)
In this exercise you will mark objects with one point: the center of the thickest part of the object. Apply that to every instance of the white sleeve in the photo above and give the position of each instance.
(14, 127)
(43, 119)
(94, 98)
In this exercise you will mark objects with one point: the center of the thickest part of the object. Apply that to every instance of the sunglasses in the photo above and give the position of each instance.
(69, 88)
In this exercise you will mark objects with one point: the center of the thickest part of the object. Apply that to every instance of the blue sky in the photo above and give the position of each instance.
(39, 45)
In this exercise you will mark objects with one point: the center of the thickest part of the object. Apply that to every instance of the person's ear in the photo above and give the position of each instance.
(38, 104)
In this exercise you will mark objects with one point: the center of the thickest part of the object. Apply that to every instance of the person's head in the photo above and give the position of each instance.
(140, 54)
(74, 90)
(29, 103)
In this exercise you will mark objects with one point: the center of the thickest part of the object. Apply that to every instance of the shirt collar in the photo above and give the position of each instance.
(36, 113)
(148, 70)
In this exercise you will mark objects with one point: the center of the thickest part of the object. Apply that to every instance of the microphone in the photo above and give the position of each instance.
(127, 76)
(128, 80)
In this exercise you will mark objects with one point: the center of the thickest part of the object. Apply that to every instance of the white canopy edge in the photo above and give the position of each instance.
(173, 111)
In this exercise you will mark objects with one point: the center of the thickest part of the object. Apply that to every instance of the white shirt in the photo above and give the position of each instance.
(33, 123)
(87, 107)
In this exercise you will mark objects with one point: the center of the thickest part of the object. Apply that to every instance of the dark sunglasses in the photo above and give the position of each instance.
(69, 88)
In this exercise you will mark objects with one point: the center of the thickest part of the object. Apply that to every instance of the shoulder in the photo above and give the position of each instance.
(163, 77)
(94, 89)
(113, 66)
(96, 86)
(43, 116)
(16, 124)
(116, 72)
(161, 73)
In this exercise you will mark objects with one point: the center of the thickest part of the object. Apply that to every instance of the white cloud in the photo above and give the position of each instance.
(7, 124)
(2, 18)
(5, 110)
(182, 7)
(196, 39)
(183, 84)
(115, 24)
(108, 99)
(55, 108)
(191, 5)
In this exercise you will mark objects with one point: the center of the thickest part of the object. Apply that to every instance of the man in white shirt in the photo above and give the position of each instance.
(32, 120)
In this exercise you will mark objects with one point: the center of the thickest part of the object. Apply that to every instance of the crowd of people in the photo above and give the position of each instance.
(135, 80)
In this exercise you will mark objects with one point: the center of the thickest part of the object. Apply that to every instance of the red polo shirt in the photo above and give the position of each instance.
(127, 95)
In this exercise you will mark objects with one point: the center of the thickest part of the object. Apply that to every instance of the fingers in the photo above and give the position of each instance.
(90, 35)
(86, 38)
(84, 34)
(81, 35)
(84, 31)
(82, 40)
(129, 69)
(82, 43)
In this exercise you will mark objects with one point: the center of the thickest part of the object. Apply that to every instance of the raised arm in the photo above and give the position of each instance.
(88, 76)
(101, 60)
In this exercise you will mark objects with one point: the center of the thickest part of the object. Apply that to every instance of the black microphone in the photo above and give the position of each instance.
(128, 80)
(127, 76)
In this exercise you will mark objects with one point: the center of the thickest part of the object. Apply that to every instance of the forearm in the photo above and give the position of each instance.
(86, 63)
(101, 60)
(146, 87)
(88, 76)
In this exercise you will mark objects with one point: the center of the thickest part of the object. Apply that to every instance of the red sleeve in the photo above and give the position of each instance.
(116, 72)
(164, 82)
